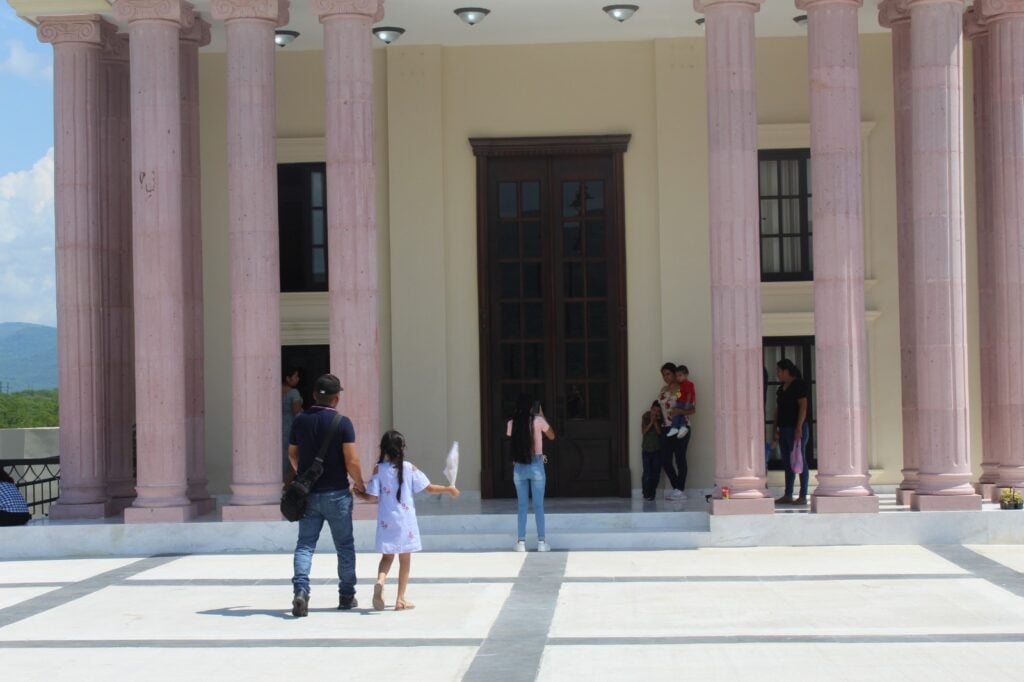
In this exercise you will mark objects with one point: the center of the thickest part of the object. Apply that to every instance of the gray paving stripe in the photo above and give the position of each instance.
(68, 593)
(244, 582)
(349, 643)
(949, 638)
(515, 644)
(981, 567)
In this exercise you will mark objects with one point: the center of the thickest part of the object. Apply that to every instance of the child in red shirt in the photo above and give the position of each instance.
(686, 400)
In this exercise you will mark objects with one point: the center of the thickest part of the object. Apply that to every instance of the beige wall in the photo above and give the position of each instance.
(432, 99)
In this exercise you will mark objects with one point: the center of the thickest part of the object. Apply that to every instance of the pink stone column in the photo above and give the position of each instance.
(735, 256)
(893, 14)
(351, 219)
(940, 294)
(993, 378)
(191, 39)
(76, 44)
(1005, 20)
(116, 211)
(839, 336)
(255, 274)
(158, 259)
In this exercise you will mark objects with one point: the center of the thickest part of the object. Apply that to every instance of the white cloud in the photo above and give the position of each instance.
(27, 291)
(20, 61)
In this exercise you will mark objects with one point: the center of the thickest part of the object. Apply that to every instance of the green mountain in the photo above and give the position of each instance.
(28, 356)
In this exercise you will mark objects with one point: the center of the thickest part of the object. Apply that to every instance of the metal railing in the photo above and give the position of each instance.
(37, 479)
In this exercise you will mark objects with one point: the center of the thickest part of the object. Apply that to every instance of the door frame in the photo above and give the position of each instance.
(613, 146)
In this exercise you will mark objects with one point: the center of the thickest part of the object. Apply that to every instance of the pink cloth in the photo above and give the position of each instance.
(539, 426)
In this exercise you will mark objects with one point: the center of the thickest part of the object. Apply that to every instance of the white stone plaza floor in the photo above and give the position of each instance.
(905, 612)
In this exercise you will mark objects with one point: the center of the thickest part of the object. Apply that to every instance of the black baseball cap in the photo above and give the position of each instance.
(327, 385)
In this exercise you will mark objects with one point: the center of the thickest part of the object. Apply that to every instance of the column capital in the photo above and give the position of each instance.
(975, 25)
(892, 12)
(198, 32)
(374, 9)
(177, 11)
(996, 9)
(115, 45)
(811, 4)
(75, 28)
(271, 10)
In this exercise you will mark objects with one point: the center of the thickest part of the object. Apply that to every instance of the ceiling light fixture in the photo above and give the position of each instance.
(800, 20)
(388, 34)
(284, 38)
(472, 15)
(620, 13)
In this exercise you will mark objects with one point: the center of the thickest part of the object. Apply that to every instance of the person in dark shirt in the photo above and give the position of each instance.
(791, 425)
(330, 498)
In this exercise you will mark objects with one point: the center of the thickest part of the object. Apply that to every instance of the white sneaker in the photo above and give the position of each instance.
(671, 432)
(682, 432)
(543, 546)
(675, 495)
(521, 546)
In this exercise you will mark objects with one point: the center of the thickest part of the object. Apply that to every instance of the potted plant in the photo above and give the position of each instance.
(1011, 499)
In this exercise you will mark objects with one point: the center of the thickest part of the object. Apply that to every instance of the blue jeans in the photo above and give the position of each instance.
(786, 437)
(530, 477)
(335, 507)
(652, 472)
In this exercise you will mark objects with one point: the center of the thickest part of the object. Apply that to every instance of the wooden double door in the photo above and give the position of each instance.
(551, 254)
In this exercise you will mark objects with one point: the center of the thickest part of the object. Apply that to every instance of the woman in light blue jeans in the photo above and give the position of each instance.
(527, 428)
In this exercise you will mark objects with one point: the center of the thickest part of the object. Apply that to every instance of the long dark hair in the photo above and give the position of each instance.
(392, 450)
(787, 365)
(522, 430)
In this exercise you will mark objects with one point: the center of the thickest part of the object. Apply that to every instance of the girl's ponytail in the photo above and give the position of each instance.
(392, 449)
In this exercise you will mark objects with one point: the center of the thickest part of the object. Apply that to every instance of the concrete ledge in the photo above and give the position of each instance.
(159, 514)
(946, 503)
(862, 504)
(765, 505)
(62, 511)
(253, 512)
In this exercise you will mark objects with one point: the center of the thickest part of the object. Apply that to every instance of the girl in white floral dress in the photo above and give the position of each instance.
(393, 485)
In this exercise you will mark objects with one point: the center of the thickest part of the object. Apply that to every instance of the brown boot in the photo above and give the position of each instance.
(785, 499)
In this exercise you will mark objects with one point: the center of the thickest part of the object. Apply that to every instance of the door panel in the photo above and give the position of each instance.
(552, 315)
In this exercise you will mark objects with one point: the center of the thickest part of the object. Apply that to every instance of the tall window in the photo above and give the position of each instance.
(302, 226)
(784, 181)
(799, 349)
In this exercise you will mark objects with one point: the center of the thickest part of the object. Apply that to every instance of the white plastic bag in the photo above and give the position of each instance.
(451, 465)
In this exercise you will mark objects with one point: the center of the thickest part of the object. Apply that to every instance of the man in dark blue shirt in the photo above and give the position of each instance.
(330, 499)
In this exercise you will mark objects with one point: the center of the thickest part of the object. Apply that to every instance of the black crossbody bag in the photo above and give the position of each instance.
(296, 495)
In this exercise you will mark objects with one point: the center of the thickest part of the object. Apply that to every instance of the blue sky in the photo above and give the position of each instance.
(27, 292)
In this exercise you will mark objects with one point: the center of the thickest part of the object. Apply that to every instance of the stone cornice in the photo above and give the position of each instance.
(51, 8)
(374, 9)
(115, 45)
(198, 32)
(271, 10)
(975, 25)
(178, 11)
(75, 28)
(892, 12)
(810, 4)
(703, 6)
(920, 3)
(996, 9)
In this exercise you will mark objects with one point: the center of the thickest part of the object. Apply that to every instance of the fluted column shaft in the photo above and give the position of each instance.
(839, 335)
(116, 211)
(937, 164)
(893, 14)
(80, 324)
(351, 219)
(1005, 20)
(735, 255)
(191, 39)
(159, 260)
(255, 269)
(993, 377)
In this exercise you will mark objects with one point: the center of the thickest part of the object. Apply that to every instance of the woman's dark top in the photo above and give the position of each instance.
(789, 405)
